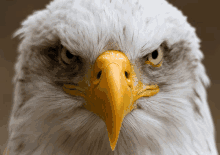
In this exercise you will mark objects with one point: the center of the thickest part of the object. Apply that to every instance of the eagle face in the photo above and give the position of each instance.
(110, 77)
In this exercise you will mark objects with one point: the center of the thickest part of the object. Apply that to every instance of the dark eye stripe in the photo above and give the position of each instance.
(64, 62)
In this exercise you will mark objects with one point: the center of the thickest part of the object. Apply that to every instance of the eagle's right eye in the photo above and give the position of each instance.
(66, 56)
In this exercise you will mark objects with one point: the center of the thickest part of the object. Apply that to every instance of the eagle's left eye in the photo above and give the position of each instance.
(155, 58)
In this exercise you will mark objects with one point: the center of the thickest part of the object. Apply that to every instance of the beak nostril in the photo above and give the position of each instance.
(126, 75)
(99, 74)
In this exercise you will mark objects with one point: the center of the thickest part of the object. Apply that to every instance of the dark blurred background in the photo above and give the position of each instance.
(202, 14)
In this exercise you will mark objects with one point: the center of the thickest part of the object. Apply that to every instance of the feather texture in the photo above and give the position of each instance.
(46, 121)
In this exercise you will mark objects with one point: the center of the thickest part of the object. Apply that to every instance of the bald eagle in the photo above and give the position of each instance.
(110, 77)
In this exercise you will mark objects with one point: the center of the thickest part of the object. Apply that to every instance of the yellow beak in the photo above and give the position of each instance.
(112, 93)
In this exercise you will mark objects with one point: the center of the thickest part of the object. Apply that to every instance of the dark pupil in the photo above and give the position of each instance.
(69, 55)
(154, 54)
